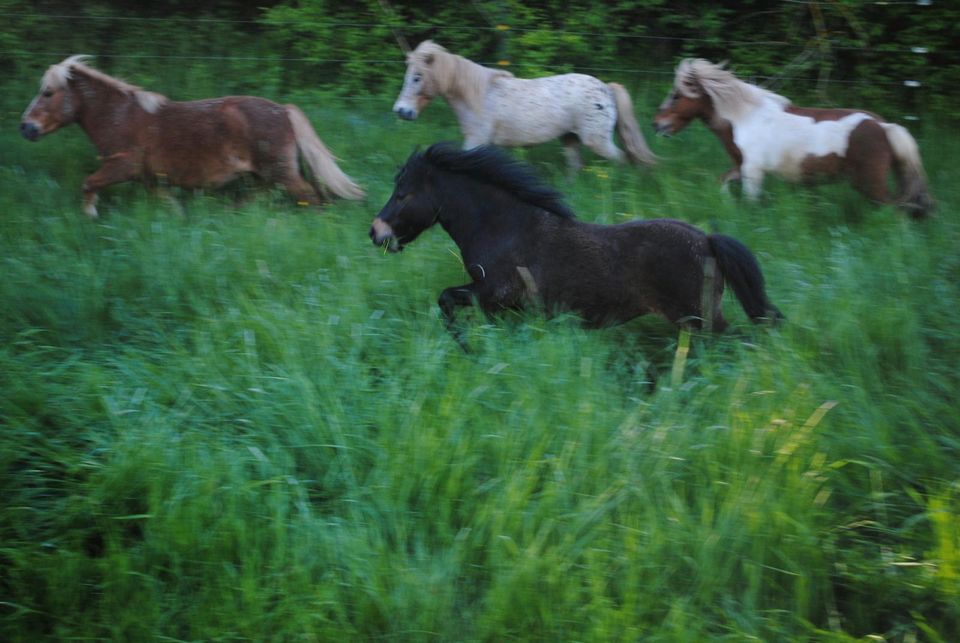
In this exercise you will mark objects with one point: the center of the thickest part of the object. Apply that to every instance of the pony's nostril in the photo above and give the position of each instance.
(29, 131)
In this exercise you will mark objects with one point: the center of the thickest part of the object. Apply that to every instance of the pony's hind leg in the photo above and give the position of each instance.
(719, 323)
(868, 175)
(285, 170)
(872, 185)
(697, 308)
(596, 132)
(571, 150)
(605, 147)
(711, 297)
(288, 175)
(301, 190)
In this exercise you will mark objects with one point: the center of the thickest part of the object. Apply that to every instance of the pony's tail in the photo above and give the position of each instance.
(629, 130)
(322, 164)
(914, 196)
(741, 270)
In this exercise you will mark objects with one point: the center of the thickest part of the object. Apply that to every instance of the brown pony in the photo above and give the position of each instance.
(143, 136)
(762, 132)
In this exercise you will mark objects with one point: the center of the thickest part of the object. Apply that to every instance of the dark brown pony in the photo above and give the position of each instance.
(521, 244)
(145, 137)
(762, 132)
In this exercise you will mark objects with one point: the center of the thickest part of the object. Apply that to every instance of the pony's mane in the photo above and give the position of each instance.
(57, 76)
(731, 96)
(453, 74)
(494, 167)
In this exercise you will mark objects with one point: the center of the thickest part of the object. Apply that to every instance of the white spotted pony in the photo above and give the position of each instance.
(493, 106)
(763, 133)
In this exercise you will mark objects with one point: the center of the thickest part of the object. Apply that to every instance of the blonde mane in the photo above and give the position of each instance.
(453, 75)
(56, 78)
(731, 96)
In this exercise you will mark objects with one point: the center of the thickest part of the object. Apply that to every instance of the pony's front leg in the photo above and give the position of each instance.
(476, 134)
(115, 169)
(90, 204)
(752, 182)
(571, 150)
(451, 299)
(728, 177)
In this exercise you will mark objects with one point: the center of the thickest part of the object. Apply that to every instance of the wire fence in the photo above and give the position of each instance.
(371, 20)
(419, 27)
(400, 64)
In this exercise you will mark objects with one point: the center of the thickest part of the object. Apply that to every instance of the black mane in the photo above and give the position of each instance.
(493, 166)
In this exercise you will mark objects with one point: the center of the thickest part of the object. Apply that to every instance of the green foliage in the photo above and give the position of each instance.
(329, 35)
(826, 52)
(179, 49)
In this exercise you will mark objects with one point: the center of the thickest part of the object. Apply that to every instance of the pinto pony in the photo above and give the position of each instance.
(521, 245)
(763, 133)
(143, 136)
(492, 106)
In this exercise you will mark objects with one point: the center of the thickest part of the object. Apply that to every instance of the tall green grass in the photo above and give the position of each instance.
(246, 422)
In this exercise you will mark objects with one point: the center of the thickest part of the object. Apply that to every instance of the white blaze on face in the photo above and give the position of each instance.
(30, 124)
(406, 106)
(413, 96)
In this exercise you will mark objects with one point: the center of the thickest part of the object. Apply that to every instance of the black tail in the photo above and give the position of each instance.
(740, 269)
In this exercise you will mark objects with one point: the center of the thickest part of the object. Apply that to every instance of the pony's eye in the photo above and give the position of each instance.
(417, 78)
(47, 93)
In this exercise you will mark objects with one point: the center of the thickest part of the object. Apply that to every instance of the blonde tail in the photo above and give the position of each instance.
(628, 129)
(914, 196)
(322, 164)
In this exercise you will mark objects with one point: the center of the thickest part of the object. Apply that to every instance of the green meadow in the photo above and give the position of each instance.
(242, 421)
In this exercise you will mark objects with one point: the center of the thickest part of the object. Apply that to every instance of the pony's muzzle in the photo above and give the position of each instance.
(29, 130)
(663, 129)
(382, 235)
(406, 113)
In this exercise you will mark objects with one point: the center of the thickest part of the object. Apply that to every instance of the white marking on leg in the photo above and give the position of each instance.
(90, 205)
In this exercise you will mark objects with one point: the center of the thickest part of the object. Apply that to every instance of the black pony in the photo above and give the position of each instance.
(521, 244)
